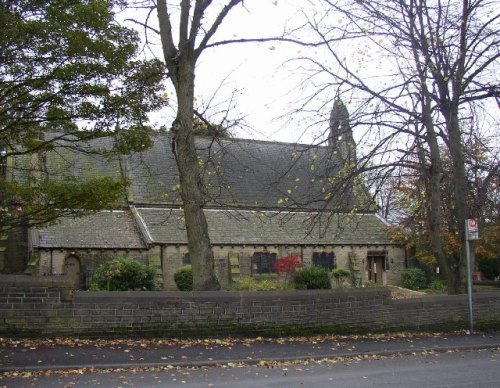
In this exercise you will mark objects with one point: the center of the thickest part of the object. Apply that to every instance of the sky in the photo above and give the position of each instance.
(264, 88)
(256, 69)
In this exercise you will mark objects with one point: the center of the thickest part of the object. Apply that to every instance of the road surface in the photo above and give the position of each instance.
(465, 368)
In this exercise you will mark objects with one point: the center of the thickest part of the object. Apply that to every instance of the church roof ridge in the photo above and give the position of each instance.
(246, 140)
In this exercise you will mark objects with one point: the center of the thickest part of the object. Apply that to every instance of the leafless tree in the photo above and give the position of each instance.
(439, 58)
(180, 58)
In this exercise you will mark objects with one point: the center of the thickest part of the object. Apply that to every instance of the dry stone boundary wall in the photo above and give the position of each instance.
(31, 306)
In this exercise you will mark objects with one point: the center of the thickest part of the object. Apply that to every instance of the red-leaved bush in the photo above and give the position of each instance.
(287, 264)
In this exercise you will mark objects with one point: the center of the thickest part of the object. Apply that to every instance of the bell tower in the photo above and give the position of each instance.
(341, 139)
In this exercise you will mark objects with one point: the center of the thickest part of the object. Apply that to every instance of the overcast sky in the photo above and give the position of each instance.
(253, 69)
(266, 89)
(256, 69)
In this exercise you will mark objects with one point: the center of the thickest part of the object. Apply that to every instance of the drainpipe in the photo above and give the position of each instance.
(51, 263)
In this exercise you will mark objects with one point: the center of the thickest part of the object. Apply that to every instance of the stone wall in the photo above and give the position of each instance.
(173, 254)
(168, 258)
(14, 245)
(41, 309)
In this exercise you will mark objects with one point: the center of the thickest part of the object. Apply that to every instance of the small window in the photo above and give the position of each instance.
(324, 260)
(262, 262)
(186, 259)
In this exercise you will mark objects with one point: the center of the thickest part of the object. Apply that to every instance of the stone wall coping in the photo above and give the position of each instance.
(221, 296)
(445, 298)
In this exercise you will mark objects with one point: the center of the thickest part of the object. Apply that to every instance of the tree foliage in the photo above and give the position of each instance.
(487, 250)
(68, 72)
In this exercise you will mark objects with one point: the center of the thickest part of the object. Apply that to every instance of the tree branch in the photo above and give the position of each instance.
(213, 29)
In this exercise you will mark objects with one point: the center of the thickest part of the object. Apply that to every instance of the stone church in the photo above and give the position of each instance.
(264, 200)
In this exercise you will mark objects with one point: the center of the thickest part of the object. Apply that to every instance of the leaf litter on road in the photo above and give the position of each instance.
(127, 344)
(33, 344)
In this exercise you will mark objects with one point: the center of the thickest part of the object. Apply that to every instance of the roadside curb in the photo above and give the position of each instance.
(247, 361)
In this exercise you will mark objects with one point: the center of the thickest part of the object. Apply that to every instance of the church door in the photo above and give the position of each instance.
(376, 268)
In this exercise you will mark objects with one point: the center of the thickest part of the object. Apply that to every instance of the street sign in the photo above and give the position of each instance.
(472, 229)
(472, 233)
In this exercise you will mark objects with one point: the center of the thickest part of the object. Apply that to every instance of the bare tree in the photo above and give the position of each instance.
(181, 58)
(186, 29)
(440, 59)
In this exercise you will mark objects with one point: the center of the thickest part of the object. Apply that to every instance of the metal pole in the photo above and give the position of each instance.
(469, 277)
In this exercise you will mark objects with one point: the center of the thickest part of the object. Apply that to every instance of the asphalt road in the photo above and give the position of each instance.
(466, 368)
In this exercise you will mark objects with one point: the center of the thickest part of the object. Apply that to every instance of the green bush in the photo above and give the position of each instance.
(123, 275)
(252, 284)
(490, 267)
(312, 278)
(414, 278)
(340, 274)
(183, 278)
(437, 285)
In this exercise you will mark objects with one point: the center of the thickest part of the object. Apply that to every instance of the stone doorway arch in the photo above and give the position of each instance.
(72, 270)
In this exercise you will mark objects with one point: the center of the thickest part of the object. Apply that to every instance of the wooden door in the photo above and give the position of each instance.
(376, 269)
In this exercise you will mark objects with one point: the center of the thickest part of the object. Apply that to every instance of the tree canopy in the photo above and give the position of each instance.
(68, 72)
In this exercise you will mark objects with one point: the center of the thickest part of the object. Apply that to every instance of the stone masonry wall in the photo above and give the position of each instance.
(173, 254)
(168, 258)
(42, 309)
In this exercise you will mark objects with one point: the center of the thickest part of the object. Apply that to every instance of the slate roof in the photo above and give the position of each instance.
(166, 226)
(106, 229)
(257, 193)
(244, 174)
(74, 159)
(237, 173)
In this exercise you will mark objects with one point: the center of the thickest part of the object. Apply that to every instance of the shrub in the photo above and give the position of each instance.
(183, 278)
(490, 267)
(312, 278)
(414, 278)
(437, 285)
(340, 274)
(251, 284)
(369, 284)
(287, 265)
(123, 275)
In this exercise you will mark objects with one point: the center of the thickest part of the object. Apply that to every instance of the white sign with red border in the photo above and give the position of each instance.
(472, 229)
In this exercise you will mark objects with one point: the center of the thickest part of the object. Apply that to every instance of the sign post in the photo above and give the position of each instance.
(471, 233)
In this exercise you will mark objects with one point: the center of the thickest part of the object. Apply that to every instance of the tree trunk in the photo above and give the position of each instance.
(181, 63)
(202, 258)
(461, 205)
(434, 207)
